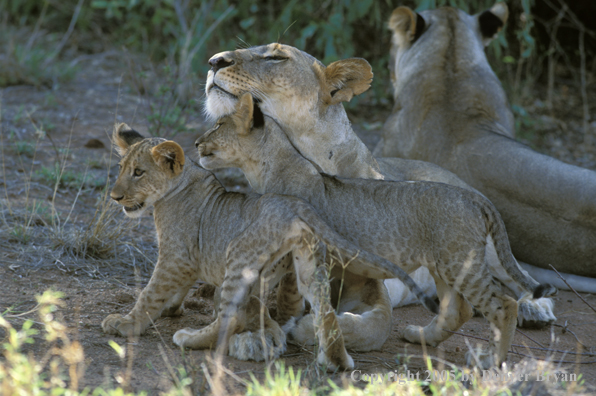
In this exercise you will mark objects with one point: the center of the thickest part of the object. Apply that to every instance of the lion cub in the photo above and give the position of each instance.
(457, 234)
(230, 240)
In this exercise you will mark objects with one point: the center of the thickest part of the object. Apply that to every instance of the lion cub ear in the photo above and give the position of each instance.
(406, 25)
(244, 112)
(344, 79)
(492, 21)
(169, 156)
(123, 137)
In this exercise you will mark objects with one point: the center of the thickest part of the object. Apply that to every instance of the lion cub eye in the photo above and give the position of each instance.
(138, 172)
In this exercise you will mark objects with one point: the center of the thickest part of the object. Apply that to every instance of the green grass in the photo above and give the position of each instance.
(67, 178)
(25, 62)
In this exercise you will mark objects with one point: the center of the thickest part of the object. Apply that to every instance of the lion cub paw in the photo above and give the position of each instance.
(173, 311)
(249, 345)
(414, 334)
(335, 363)
(535, 314)
(120, 325)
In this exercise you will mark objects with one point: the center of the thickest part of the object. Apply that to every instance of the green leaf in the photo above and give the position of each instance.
(99, 4)
(508, 59)
(248, 22)
(119, 350)
(426, 5)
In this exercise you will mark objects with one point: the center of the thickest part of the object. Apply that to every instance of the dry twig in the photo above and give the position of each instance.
(572, 289)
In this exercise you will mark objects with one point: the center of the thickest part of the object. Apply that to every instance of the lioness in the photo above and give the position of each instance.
(229, 240)
(456, 234)
(305, 98)
(450, 109)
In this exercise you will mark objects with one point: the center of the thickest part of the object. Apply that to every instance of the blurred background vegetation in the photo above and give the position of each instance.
(38, 37)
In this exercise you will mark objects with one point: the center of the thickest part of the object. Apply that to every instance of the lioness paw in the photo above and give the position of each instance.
(535, 314)
(181, 337)
(249, 345)
(120, 325)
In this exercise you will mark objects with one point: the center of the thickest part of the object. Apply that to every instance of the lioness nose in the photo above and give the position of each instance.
(219, 63)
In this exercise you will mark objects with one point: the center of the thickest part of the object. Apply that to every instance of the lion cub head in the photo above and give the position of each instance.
(149, 168)
(230, 141)
(281, 77)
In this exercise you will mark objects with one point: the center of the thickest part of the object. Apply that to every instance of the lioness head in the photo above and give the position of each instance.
(419, 38)
(222, 145)
(148, 168)
(285, 81)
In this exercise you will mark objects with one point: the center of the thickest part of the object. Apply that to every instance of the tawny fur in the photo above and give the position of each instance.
(450, 109)
(446, 229)
(294, 90)
(230, 240)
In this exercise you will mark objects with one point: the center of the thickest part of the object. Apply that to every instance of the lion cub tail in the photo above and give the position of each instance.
(360, 262)
(496, 230)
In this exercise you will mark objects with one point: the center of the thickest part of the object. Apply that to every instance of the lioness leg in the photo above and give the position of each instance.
(454, 312)
(165, 287)
(365, 318)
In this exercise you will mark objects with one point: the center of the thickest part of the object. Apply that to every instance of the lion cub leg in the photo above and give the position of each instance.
(313, 282)
(257, 249)
(167, 287)
(501, 311)
(290, 302)
(454, 311)
(256, 342)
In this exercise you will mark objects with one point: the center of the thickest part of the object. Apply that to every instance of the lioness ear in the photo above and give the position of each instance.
(169, 156)
(243, 115)
(492, 21)
(124, 137)
(344, 79)
(406, 25)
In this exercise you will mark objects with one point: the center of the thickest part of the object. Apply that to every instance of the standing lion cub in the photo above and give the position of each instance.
(230, 240)
(456, 234)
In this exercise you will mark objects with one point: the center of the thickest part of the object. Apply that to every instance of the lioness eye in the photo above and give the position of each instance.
(275, 58)
(138, 172)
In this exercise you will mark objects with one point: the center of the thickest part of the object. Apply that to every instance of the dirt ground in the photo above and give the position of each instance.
(80, 115)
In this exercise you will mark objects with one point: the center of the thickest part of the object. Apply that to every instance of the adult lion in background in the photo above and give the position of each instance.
(450, 109)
